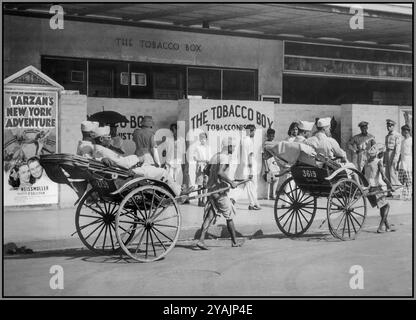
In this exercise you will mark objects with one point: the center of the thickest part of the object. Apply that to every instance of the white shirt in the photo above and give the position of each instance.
(406, 154)
(201, 152)
(175, 151)
(328, 146)
(247, 149)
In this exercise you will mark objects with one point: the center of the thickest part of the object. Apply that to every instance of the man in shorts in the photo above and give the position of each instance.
(218, 179)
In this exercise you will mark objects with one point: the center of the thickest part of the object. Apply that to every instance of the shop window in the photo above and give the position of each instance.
(144, 91)
(169, 82)
(67, 72)
(348, 53)
(77, 76)
(138, 79)
(115, 79)
(204, 82)
(105, 79)
(239, 85)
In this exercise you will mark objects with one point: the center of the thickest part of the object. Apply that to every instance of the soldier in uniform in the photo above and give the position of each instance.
(360, 144)
(322, 142)
(391, 156)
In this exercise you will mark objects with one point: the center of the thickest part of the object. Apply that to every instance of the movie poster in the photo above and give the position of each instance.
(30, 130)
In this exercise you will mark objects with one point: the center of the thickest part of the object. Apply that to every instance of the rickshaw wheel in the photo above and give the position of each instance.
(346, 209)
(157, 224)
(294, 210)
(95, 223)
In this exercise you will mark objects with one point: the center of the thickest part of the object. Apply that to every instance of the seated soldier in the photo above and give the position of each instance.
(323, 143)
(85, 146)
(102, 140)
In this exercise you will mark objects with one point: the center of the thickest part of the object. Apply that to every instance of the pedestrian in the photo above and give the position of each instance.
(271, 168)
(360, 144)
(374, 173)
(175, 154)
(201, 154)
(304, 131)
(405, 166)
(292, 132)
(219, 203)
(247, 167)
(391, 156)
(144, 138)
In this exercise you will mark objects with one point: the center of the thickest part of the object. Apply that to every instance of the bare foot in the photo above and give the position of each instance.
(237, 244)
(201, 245)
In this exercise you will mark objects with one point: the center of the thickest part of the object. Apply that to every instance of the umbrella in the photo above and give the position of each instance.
(108, 117)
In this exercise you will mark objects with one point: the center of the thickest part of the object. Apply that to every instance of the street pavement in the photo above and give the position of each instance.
(268, 265)
(51, 228)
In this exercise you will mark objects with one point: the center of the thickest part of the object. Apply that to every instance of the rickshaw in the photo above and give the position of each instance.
(118, 211)
(345, 188)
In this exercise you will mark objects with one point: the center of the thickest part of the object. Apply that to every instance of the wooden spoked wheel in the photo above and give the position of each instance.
(346, 209)
(156, 225)
(294, 210)
(95, 223)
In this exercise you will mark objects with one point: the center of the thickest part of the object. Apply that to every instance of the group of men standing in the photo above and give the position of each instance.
(397, 154)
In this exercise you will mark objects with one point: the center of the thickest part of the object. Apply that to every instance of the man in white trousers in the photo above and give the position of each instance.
(247, 168)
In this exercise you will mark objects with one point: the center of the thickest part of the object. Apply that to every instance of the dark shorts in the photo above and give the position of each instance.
(223, 205)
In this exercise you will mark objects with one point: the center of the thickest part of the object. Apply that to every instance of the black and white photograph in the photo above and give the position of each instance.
(207, 150)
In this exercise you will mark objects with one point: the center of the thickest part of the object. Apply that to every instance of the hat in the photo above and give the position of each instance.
(101, 132)
(305, 125)
(376, 149)
(363, 123)
(389, 121)
(147, 121)
(406, 127)
(88, 126)
(323, 122)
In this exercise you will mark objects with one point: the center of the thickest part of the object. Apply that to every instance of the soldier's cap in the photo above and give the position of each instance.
(88, 126)
(305, 125)
(101, 132)
(389, 121)
(323, 122)
(363, 123)
(406, 127)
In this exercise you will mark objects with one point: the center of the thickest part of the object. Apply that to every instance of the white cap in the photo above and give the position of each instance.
(305, 125)
(101, 131)
(88, 126)
(324, 122)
